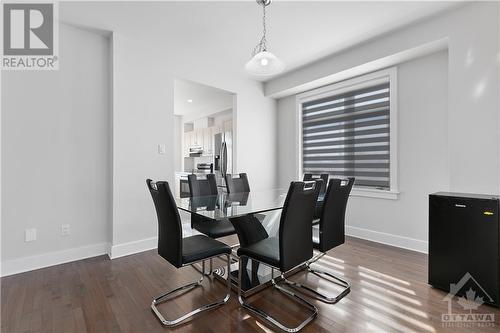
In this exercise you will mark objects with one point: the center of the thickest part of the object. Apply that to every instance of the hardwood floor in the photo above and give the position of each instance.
(389, 294)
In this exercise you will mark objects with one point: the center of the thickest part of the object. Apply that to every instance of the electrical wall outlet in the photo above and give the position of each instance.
(30, 235)
(161, 148)
(65, 230)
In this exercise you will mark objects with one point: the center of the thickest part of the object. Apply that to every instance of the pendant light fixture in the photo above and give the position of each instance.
(263, 62)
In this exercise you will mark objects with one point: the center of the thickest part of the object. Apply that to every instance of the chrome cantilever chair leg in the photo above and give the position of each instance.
(186, 288)
(266, 317)
(202, 270)
(317, 295)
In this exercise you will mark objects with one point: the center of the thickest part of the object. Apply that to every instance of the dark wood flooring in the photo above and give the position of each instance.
(389, 294)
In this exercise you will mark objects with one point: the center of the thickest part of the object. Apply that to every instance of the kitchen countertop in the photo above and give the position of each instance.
(184, 174)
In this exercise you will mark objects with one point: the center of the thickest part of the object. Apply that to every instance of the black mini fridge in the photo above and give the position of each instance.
(464, 237)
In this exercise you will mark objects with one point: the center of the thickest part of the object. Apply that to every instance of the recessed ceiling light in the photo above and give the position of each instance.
(190, 101)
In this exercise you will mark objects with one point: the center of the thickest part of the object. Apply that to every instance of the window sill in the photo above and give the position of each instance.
(380, 194)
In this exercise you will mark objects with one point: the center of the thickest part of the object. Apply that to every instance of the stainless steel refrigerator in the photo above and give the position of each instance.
(223, 156)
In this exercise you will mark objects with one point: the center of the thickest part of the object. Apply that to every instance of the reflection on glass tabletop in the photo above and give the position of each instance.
(228, 205)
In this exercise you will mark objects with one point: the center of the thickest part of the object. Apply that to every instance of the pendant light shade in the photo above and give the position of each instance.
(263, 64)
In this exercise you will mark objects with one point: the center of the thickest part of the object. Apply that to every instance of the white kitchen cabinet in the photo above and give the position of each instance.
(194, 138)
(197, 138)
(207, 141)
(185, 145)
(212, 139)
(201, 137)
(189, 139)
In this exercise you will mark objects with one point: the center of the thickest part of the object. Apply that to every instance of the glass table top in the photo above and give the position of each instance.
(230, 205)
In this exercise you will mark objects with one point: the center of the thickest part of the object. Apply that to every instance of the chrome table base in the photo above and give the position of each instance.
(221, 274)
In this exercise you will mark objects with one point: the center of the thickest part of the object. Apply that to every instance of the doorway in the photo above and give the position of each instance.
(204, 133)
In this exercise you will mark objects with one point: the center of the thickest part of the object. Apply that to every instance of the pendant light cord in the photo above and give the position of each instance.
(262, 46)
(264, 30)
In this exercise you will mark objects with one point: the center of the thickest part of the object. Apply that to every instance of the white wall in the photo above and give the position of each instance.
(422, 151)
(470, 160)
(143, 118)
(209, 112)
(178, 142)
(287, 142)
(221, 117)
(422, 158)
(56, 166)
(144, 70)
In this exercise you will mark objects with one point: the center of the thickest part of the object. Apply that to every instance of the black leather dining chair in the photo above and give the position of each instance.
(202, 187)
(312, 176)
(319, 205)
(291, 249)
(180, 251)
(330, 234)
(237, 184)
(213, 229)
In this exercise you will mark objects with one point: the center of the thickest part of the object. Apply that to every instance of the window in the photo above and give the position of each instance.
(348, 130)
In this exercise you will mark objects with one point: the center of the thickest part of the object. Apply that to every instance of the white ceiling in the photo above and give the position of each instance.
(224, 33)
(205, 100)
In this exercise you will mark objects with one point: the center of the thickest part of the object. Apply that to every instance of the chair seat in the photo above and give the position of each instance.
(213, 229)
(266, 251)
(199, 247)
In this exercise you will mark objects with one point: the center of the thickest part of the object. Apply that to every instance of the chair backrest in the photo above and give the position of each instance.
(332, 221)
(324, 176)
(202, 187)
(237, 185)
(295, 232)
(169, 222)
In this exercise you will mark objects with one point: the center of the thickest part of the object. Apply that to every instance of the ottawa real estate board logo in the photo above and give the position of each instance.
(469, 296)
(29, 36)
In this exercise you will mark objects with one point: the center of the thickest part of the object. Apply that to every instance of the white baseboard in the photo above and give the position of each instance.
(374, 236)
(126, 249)
(388, 239)
(15, 266)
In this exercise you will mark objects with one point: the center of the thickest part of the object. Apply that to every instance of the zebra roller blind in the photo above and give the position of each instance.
(347, 135)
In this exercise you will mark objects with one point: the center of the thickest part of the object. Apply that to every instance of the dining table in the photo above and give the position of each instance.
(247, 211)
